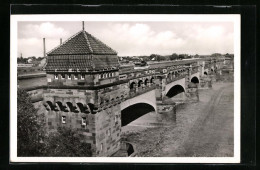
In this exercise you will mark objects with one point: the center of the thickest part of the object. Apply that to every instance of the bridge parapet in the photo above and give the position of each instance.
(168, 81)
(141, 91)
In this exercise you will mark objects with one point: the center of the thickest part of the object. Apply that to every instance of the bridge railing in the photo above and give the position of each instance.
(141, 90)
(194, 71)
(176, 78)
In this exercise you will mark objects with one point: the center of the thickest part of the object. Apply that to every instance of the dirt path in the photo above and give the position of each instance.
(202, 129)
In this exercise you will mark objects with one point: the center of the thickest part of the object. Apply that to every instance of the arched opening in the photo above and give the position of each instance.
(91, 107)
(146, 82)
(212, 69)
(49, 105)
(135, 111)
(140, 82)
(81, 107)
(152, 80)
(160, 78)
(132, 85)
(59, 106)
(175, 90)
(173, 74)
(205, 73)
(113, 101)
(195, 80)
(169, 75)
(69, 106)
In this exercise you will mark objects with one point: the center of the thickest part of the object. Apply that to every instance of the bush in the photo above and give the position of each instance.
(67, 142)
(30, 132)
(34, 140)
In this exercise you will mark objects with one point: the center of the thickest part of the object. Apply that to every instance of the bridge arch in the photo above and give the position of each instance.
(140, 82)
(135, 111)
(195, 80)
(132, 85)
(175, 90)
(146, 81)
(152, 80)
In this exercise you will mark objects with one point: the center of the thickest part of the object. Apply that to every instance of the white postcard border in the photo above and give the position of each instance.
(235, 18)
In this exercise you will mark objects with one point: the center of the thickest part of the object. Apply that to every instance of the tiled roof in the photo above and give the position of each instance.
(81, 62)
(82, 52)
(82, 43)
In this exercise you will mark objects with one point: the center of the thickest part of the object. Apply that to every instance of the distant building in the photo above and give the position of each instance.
(29, 61)
(42, 62)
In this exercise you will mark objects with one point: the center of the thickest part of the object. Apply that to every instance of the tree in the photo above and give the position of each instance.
(181, 56)
(153, 56)
(67, 142)
(34, 140)
(174, 56)
(196, 56)
(215, 55)
(30, 132)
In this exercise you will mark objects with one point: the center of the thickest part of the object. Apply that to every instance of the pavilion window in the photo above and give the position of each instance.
(75, 76)
(82, 77)
(100, 76)
(83, 121)
(62, 76)
(101, 147)
(63, 119)
(56, 76)
(69, 77)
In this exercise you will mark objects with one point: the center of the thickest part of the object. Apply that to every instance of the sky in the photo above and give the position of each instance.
(131, 38)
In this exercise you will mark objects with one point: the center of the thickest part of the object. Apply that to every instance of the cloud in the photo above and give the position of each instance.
(30, 38)
(34, 46)
(43, 30)
(134, 38)
(139, 39)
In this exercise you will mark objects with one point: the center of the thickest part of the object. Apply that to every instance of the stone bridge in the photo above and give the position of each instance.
(88, 90)
(135, 93)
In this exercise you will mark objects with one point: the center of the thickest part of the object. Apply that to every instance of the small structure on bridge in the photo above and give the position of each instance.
(83, 93)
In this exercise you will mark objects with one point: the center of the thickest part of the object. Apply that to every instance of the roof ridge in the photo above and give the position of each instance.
(101, 42)
(86, 37)
(65, 41)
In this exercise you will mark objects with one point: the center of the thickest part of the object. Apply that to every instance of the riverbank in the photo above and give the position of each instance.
(204, 128)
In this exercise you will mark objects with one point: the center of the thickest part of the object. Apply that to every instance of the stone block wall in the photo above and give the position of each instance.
(108, 130)
(73, 121)
(102, 128)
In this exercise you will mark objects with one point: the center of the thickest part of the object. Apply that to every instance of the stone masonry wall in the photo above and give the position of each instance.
(108, 129)
(73, 119)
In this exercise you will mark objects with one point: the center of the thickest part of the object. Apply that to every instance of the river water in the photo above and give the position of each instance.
(25, 83)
